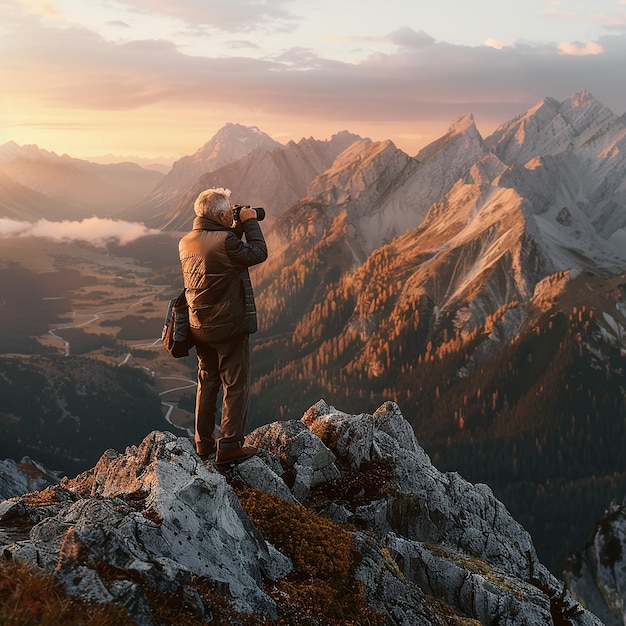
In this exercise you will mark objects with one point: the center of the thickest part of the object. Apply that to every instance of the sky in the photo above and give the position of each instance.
(158, 78)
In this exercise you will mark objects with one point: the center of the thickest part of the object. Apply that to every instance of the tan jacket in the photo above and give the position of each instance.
(215, 264)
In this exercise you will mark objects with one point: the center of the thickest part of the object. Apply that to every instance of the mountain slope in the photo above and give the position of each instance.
(481, 318)
(20, 203)
(477, 233)
(372, 193)
(231, 143)
(596, 574)
(69, 188)
(275, 179)
(63, 410)
(571, 158)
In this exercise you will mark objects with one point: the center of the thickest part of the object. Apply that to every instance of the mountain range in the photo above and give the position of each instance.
(260, 172)
(39, 184)
(479, 284)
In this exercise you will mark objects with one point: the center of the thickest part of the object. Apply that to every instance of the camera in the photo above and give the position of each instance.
(260, 211)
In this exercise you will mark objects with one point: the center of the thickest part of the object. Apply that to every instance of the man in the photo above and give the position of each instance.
(222, 314)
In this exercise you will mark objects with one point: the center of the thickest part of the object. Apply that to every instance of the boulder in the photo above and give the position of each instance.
(155, 512)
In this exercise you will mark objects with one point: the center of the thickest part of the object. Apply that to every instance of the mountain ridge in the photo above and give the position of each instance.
(44, 185)
(275, 178)
(503, 263)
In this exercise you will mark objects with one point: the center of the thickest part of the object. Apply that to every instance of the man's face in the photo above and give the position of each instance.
(227, 216)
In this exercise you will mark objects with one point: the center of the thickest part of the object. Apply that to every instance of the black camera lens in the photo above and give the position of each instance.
(260, 211)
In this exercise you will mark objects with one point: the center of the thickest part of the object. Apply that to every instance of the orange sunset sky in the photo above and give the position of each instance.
(158, 78)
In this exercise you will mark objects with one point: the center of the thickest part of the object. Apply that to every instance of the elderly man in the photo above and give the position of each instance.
(222, 314)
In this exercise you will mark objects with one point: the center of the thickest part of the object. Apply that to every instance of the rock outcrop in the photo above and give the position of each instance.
(597, 574)
(25, 476)
(432, 548)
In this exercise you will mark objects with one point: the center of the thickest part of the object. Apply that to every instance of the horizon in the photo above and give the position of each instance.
(402, 143)
(168, 160)
(98, 78)
(164, 159)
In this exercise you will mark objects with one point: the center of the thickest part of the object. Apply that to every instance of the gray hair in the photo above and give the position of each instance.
(211, 201)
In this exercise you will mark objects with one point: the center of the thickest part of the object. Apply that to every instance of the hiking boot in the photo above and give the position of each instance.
(205, 449)
(226, 456)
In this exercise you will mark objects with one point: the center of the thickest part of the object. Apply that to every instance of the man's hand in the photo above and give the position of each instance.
(246, 213)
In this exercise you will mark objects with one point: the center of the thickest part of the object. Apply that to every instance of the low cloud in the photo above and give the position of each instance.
(579, 49)
(95, 231)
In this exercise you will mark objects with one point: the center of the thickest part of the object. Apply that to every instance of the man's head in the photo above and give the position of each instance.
(212, 202)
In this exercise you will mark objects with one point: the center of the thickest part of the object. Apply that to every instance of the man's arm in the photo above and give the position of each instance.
(250, 252)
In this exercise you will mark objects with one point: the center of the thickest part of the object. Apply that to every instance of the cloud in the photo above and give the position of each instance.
(76, 68)
(409, 38)
(95, 231)
(227, 15)
(423, 80)
(579, 49)
(494, 43)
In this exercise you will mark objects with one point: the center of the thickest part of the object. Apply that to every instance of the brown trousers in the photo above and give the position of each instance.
(224, 366)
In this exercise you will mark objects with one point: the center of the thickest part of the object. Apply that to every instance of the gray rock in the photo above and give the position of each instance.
(434, 548)
(597, 574)
(258, 473)
(469, 530)
(300, 450)
(337, 513)
(476, 588)
(158, 513)
(401, 601)
(24, 477)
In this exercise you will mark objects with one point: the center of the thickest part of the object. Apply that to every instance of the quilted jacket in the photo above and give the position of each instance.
(215, 261)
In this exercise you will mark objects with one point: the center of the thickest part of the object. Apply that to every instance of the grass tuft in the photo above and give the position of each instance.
(28, 596)
(322, 588)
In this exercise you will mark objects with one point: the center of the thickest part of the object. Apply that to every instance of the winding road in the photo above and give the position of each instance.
(170, 407)
(96, 316)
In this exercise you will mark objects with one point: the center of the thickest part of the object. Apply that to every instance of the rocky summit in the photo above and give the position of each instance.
(350, 501)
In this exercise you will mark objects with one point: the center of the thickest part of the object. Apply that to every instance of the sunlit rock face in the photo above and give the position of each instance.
(23, 477)
(158, 516)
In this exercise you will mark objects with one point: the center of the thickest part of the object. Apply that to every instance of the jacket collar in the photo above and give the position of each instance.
(207, 223)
